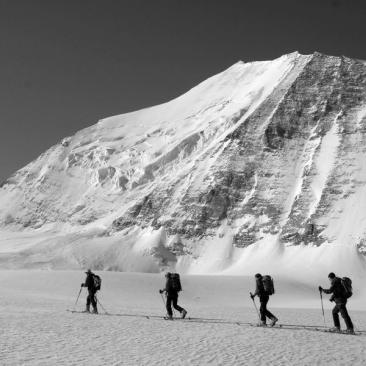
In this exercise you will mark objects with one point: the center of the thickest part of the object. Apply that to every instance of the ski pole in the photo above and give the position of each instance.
(101, 305)
(321, 300)
(77, 299)
(162, 299)
(255, 305)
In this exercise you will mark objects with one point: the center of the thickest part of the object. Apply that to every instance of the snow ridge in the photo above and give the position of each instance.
(263, 159)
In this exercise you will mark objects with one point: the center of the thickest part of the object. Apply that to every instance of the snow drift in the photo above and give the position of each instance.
(261, 167)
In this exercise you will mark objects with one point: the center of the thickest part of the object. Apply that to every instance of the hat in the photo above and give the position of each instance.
(258, 275)
(88, 271)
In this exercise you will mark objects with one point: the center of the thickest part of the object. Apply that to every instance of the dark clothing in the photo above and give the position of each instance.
(341, 308)
(172, 297)
(91, 299)
(259, 288)
(89, 282)
(338, 292)
(339, 297)
(169, 288)
(263, 299)
(263, 309)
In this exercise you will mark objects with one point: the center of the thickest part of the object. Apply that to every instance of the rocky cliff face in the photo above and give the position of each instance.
(264, 152)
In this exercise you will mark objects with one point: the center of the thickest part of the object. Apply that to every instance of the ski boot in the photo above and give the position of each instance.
(262, 323)
(350, 331)
(274, 320)
(184, 313)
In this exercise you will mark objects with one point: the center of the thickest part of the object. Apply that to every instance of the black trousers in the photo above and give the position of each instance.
(263, 309)
(91, 300)
(341, 308)
(172, 298)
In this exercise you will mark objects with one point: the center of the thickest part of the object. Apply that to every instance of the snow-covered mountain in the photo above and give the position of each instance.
(261, 167)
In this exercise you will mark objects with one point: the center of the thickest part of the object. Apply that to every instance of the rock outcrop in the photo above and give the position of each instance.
(272, 150)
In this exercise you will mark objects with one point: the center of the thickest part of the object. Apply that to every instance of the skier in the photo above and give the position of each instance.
(91, 299)
(340, 298)
(263, 298)
(172, 287)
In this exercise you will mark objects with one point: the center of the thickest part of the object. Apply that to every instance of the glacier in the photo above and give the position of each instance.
(261, 167)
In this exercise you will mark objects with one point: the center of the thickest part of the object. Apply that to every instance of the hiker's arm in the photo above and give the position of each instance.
(87, 282)
(329, 290)
(164, 289)
(256, 292)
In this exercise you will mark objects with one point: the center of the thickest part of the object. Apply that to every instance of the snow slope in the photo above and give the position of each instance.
(259, 167)
(36, 329)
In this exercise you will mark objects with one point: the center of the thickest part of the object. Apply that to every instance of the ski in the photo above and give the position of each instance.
(109, 314)
(85, 312)
(318, 328)
(201, 320)
(324, 330)
(176, 318)
(344, 332)
(304, 327)
(263, 326)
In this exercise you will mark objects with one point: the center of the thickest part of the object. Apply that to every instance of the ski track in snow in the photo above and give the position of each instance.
(36, 329)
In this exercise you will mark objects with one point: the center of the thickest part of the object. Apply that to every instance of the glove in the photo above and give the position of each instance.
(331, 300)
(161, 291)
(320, 288)
(252, 296)
(82, 285)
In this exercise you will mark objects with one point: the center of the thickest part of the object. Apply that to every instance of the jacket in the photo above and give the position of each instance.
(259, 289)
(89, 282)
(338, 292)
(169, 288)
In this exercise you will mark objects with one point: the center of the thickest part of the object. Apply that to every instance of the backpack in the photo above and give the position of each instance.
(268, 285)
(97, 281)
(347, 285)
(174, 279)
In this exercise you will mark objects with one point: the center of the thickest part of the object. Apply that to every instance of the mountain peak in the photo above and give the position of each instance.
(263, 160)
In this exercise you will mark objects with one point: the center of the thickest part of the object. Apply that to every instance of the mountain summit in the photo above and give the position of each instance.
(262, 166)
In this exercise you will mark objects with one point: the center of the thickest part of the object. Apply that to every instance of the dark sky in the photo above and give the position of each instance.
(65, 64)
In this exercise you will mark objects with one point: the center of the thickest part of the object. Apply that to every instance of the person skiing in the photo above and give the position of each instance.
(91, 299)
(263, 299)
(172, 287)
(339, 296)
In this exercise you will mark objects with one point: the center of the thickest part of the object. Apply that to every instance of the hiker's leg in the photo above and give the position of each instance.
(346, 317)
(269, 315)
(263, 309)
(94, 302)
(175, 304)
(88, 301)
(169, 305)
(335, 312)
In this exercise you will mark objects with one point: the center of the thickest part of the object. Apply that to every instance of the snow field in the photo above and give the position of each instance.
(36, 329)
